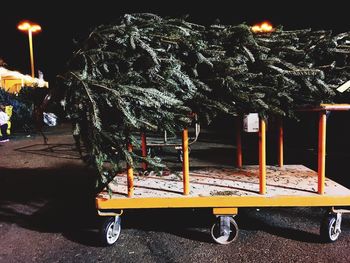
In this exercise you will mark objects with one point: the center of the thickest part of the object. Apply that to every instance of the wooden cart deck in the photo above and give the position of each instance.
(292, 185)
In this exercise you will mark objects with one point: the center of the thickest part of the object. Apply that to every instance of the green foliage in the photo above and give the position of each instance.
(147, 73)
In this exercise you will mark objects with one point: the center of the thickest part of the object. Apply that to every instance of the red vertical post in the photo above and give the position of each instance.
(130, 175)
(144, 150)
(321, 151)
(185, 163)
(262, 156)
(239, 161)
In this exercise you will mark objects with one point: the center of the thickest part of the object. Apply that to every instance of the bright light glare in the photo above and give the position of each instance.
(264, 27)
(28, 26)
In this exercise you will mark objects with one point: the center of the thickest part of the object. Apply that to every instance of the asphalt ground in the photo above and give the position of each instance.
(47, 213)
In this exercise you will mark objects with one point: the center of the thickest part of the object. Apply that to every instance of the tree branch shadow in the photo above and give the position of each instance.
(64, 151)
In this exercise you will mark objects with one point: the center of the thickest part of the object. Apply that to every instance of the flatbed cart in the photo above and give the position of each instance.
(226, 190)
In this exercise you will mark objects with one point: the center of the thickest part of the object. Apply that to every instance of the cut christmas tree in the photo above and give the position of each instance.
(148, 73)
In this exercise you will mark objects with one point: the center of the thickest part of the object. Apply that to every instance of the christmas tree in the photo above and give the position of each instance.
(147, 73)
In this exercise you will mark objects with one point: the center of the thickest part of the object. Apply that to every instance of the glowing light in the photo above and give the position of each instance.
(264, 27)
(28, 26)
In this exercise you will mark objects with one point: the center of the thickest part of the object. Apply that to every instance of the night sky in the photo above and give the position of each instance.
(63, 21)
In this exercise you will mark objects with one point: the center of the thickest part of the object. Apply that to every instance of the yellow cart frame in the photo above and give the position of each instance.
(224, 207)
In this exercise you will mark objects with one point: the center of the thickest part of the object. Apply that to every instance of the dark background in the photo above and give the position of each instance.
(62, 21)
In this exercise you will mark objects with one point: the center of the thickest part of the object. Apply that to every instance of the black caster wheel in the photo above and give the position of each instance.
(330, 227)
(224, 230)
(110, 230)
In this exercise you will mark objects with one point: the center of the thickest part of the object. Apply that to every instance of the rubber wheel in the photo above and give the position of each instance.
(108, 238)
(224, 239)
(327, 230)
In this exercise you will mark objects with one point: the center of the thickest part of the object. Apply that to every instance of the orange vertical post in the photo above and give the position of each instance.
(321, 151)
(262, 156)
(143, 150)
(185, 162)
(280, 143)
(130, 175)
(239, 161)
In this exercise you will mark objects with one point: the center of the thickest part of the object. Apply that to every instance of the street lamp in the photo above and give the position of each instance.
(31, 28)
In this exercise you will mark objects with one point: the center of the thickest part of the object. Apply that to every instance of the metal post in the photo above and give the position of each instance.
(321, 151)
(130, 175)
(239, 142)
(280, 143)
(185, 162)
(144, 150)
(262, 156)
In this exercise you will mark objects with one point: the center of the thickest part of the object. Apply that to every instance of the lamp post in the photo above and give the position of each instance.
(30, 28)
